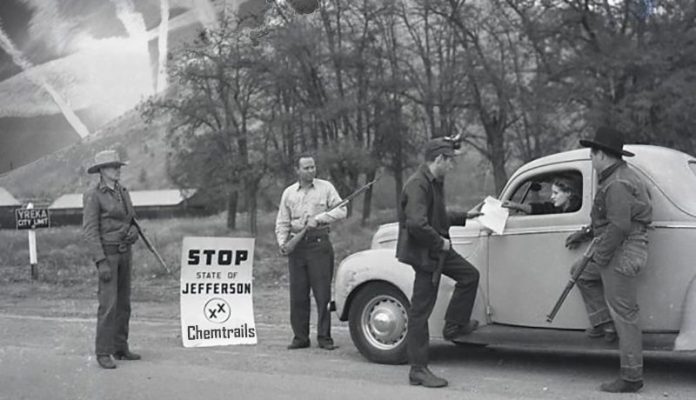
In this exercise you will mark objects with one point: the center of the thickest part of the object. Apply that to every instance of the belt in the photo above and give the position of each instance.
(111, 249)
(315, 238)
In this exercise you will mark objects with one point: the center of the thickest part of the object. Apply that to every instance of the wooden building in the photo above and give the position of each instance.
(8, 204)
(148, 204)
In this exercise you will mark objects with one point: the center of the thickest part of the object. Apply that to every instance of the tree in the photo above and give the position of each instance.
(625, 65)
(215, 138)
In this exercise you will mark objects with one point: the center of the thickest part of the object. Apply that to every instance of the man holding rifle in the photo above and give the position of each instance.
(424, 243)
(303, 219)
(108, 230)
(620, 216)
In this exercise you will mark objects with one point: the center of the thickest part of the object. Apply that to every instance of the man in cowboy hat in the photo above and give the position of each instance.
(107, 228)
(620, 216)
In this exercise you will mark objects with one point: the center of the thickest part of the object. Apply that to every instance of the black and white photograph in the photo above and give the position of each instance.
(341, 199)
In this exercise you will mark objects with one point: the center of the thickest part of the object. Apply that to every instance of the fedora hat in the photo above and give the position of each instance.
(609, 140)
(106, 158)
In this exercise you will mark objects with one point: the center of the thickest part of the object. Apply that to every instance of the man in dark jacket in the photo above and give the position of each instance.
(108, 232)
(621, 213)
(424, 243)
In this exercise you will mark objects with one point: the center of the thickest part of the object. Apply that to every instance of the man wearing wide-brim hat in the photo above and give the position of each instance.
(107, 228)
(621, 212)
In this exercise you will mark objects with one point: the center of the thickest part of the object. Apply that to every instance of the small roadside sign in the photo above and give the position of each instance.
(32, 218)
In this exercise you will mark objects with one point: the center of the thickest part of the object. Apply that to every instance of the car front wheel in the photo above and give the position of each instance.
(378, 319)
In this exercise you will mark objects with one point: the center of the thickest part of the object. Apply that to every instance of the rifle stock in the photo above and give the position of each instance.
(586, 257)
(292, 242)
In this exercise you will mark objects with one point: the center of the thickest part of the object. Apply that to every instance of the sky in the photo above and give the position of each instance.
(68, 67)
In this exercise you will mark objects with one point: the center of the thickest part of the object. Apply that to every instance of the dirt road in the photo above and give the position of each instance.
(46, 353)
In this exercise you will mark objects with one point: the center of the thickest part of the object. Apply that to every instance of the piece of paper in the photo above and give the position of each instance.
(494, 215)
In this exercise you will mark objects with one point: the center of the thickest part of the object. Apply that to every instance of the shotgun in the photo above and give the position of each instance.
(438, 269)
(293, 241)
(150, 247)
(586, 257)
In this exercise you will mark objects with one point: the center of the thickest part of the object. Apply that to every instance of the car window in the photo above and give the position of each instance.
(536, 192)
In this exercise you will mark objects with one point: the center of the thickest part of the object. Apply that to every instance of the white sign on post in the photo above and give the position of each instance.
(216, 291)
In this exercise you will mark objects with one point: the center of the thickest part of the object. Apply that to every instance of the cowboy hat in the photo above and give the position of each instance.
(106, 158)
(609, 140)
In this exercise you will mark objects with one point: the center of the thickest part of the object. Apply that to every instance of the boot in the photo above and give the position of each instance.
(621, 386)
(327, 344)
(594, 332)
(105, 361)
(126, 355)
(610, 335)
(423, 376)
(606, 330)
(298, 344)
(452, 331)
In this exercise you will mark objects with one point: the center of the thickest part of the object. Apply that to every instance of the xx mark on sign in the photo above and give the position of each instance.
(217, 310)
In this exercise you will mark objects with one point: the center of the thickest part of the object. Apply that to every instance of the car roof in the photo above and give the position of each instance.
(667, 168)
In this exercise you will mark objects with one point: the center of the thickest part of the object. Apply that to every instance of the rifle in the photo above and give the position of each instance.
(291, 243)
(438, 270)
(150, 246)
(586, 257)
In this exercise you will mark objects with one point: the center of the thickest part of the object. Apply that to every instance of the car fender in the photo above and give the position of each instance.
(686, 340)
(368, 266)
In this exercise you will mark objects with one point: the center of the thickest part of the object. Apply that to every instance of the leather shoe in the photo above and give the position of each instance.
(606, 330)
(423, 376)
(594, 332)
(452, 331)
(610, 335)
(327, 345)
(105, 361)
(298, 344)
(126, 355)
(621, 386)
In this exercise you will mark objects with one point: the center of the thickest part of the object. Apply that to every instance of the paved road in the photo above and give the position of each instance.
(46, 357)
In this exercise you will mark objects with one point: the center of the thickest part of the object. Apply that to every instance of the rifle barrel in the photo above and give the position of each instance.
(150, 247)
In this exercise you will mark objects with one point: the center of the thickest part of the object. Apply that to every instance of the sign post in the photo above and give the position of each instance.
(30, 218)
(216, 291)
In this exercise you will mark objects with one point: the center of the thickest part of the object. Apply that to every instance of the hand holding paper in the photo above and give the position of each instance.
(494, 215)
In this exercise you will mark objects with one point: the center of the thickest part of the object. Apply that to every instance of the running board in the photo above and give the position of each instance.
(556, 339)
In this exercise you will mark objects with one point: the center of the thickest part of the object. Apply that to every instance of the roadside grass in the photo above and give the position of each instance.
(65, 270)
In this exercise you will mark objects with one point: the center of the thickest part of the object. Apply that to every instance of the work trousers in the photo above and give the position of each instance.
(610, 292)
(311, 266)
(423, 301)
(113, 314)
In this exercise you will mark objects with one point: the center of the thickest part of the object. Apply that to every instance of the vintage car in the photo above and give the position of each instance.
(524, 270)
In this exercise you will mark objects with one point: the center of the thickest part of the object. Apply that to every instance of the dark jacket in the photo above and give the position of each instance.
(622, 209)
(106, 218)
(423, 220)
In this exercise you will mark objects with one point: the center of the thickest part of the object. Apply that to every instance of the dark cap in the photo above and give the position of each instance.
(437, 146)
(607, 139)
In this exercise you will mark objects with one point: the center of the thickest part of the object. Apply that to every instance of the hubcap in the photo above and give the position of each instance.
(384, 321)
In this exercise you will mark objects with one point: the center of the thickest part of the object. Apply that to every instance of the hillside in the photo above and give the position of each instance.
(65, 170)
(145, 148)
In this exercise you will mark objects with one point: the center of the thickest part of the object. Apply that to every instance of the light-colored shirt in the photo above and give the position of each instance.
(298, 203)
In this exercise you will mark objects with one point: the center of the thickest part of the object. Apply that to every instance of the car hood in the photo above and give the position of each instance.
(387, 234)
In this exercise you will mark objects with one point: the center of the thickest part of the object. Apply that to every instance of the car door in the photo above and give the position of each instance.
(528, 263)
